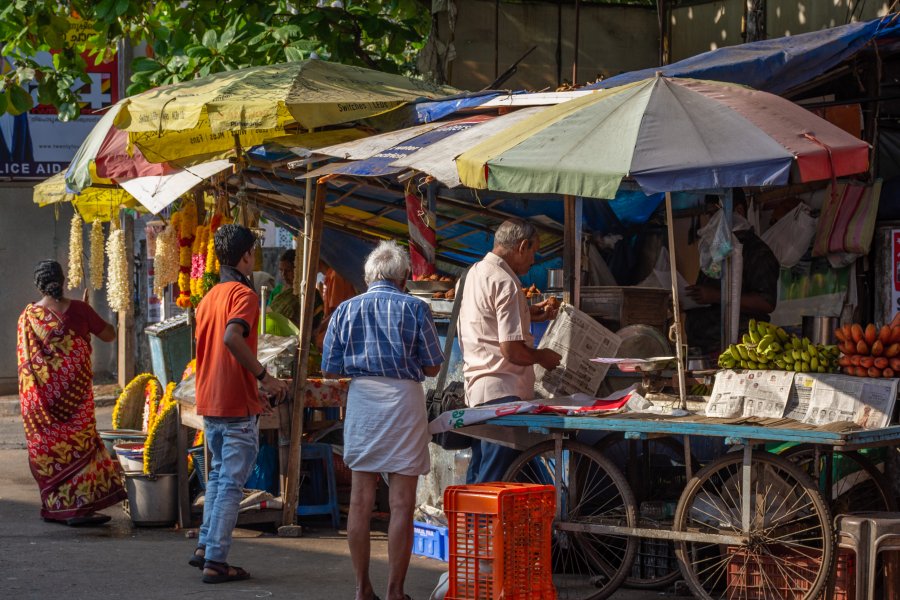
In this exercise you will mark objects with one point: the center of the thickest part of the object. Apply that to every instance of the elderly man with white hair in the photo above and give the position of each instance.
(386, 341)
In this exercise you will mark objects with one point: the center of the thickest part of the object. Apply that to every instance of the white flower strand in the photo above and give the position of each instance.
(118, 285)
(76, 249)
(97, 255)
(165, 261)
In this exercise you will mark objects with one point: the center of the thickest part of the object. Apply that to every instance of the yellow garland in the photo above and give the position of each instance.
(168, 406)
(118, 284)
(125, 415)
(198, 249)
(97, 255)
(76, 249)
(165, 261)
(186, 230)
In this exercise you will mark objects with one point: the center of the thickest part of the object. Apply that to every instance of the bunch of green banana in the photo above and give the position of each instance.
(766, 346)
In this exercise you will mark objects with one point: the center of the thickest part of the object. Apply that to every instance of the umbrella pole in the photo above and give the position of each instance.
(679, 347)
(314, 235)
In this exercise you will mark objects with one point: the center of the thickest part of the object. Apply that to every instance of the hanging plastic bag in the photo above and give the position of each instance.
(790, 237)
(715, 245)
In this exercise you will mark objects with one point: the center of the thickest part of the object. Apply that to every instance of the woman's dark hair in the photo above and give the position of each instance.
(232, 242)
(48, 277)
(289, 256)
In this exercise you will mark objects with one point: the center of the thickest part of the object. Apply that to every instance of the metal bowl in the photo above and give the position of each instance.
(421, 287)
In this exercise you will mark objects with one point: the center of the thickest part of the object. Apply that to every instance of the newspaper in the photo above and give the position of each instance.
(578, 338)
(865, 401)
(813, 398)
(750, 394)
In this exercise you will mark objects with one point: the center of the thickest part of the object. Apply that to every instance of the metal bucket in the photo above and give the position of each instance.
(152, 499)
(820, 330)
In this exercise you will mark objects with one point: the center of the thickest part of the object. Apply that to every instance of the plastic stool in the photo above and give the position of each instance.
(867, 534)
(321, 477)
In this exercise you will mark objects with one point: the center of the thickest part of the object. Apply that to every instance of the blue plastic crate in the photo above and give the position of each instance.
(431, 541)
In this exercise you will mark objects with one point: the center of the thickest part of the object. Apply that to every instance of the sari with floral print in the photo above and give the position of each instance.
(73, 470)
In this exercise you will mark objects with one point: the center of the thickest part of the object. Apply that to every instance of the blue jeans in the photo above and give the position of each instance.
(490, 461)
(233, 443)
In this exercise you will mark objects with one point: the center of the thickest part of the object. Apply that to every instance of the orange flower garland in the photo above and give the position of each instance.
(187, 227)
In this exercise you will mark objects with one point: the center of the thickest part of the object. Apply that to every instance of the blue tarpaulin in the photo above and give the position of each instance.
(775, 65)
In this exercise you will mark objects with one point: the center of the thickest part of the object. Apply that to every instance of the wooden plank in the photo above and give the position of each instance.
(707, 427)
(126, 347)
(291, 492)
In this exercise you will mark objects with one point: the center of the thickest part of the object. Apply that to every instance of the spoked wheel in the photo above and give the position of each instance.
(788, 552)
(856, 483)
(655, 470)
(586, 566)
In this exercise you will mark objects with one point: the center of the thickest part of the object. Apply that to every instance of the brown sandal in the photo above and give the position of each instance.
(197, 560)
(223, 572)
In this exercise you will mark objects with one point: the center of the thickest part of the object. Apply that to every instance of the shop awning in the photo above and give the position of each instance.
(775, 65)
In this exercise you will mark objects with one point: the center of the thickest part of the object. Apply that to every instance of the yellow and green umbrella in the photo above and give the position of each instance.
(203, 116)
(93, 203)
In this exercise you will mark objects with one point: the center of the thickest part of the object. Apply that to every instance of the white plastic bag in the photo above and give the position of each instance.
(791, 236)
(715, 245)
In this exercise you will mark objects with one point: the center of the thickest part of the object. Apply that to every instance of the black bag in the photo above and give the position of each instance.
(453, 397)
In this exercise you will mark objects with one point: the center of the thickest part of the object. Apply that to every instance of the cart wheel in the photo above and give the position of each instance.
(790, 548)
(586, 566)
(658, 476)
(860, 487)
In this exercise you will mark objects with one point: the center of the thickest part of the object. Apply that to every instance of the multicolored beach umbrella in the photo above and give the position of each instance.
(667, 134)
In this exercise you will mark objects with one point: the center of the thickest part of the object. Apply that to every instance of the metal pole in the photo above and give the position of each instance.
(573, 207)
(263, 292)
(679, 344)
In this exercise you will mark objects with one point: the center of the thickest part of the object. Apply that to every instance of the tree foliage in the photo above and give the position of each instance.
(191, 39)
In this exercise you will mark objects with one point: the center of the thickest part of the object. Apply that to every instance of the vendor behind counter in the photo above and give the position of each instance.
(759, 287)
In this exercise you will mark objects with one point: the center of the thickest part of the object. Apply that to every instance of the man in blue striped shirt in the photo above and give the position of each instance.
(385, 340)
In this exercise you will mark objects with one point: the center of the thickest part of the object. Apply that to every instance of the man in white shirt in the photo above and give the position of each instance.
(495, 337)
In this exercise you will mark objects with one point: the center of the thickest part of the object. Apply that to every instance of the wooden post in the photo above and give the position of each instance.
(572, 250)
(126, 349)
(679, 346)
(291, 492)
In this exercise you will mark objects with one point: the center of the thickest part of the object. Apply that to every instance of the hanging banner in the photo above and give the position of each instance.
(36, 144)
(895, 270)
(422, 237)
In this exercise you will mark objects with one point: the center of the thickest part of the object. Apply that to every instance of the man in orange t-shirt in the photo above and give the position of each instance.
(228, 397)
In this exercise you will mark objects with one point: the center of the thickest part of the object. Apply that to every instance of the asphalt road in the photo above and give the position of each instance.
(119, 561)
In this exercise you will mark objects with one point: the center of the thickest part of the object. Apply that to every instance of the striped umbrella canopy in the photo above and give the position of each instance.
(667, 134)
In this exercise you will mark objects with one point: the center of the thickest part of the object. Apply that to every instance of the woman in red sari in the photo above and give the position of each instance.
(72, 468)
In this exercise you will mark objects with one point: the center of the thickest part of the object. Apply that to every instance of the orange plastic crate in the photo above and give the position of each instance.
(754, 579)
(500, 536)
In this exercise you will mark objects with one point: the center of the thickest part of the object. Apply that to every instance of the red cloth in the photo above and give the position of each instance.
(73, 470)
(224, 387)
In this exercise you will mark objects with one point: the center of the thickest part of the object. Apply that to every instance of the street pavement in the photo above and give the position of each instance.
(119, 561)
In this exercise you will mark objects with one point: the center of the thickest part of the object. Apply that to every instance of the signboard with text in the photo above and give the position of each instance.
(36, 144)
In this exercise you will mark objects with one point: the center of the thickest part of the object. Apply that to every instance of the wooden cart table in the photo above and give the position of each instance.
(750, 524)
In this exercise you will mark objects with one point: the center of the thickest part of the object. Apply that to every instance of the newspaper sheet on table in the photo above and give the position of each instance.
(578, 338)
(867, 402)
(454, 419)
(813, 398)
(750, 393)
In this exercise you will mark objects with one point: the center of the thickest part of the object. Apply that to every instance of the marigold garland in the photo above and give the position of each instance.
(118, 284)
(211, 273)
(129, 405)
(198, 263)
(165, 261)
(97, 255)
(186, 231)
(76, 250)
(159, 446)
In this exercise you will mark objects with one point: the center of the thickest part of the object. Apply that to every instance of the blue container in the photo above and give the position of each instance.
(170, 348)
(431, 541)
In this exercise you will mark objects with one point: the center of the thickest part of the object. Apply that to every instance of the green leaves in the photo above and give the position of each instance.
(197, 38)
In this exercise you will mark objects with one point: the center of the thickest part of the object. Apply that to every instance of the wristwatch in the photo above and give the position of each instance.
(262, 375)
